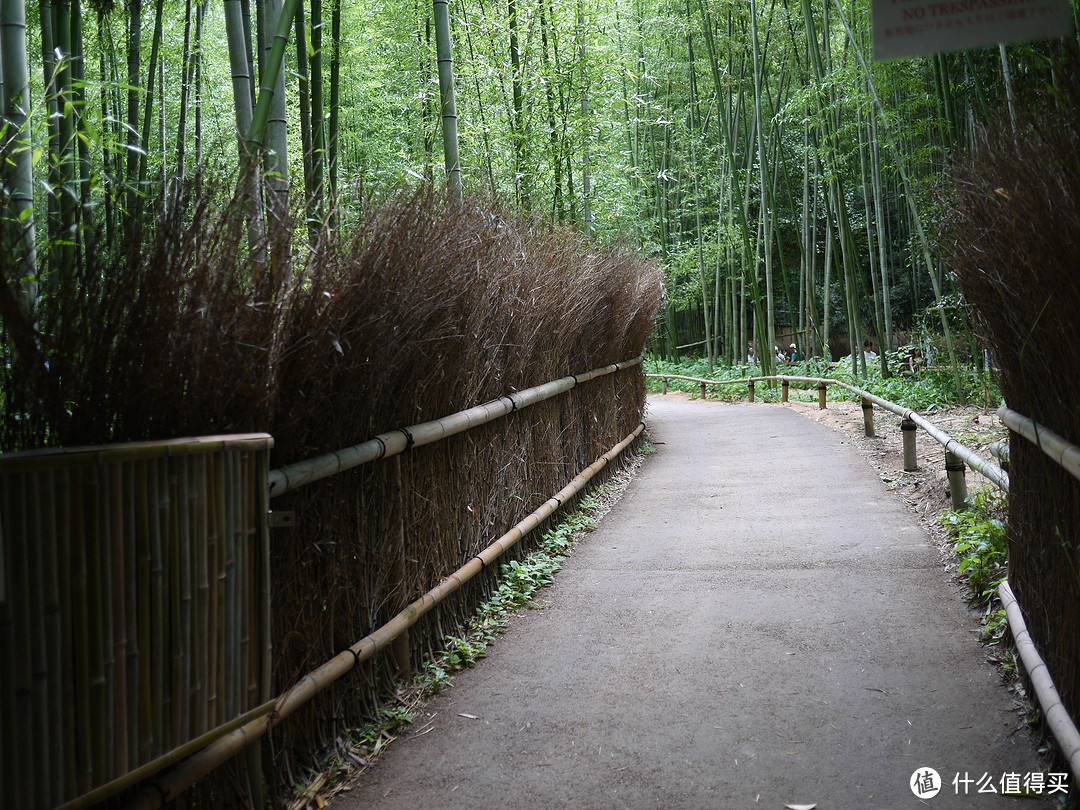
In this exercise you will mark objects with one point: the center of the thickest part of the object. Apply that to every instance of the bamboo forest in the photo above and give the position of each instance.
(793, 190)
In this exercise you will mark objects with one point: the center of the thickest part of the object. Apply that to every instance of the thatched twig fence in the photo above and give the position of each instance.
(137, 599)
(176, 780)
(138, 614)
(1064, 453)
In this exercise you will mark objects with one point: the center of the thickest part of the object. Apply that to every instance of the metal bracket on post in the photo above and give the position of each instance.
(750, 389)
(868, 417)
(822, 391)
(957, 472)
(911, 463)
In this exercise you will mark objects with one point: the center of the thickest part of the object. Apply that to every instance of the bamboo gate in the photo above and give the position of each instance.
(135, 601)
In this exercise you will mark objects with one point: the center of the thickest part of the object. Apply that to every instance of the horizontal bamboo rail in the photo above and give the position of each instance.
(1057, 716)
(174, 781)
(1066, 454)
(399, 440)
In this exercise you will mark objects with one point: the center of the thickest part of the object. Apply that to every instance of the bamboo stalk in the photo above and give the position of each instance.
(231, 612)
(169, 785)
(159, 617)
(8, 728)
(201, 637)
(94, 495)
(52, 510)
(36, 737)
(397, 441)
(19, 676)
(104, 567)
(118, 705)
(175, 697)
(83, 651)
(132, 602)
(141, 618)
(188, 517)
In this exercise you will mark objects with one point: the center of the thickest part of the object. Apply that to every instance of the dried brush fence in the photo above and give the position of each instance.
(1015, 228)
(426, 308)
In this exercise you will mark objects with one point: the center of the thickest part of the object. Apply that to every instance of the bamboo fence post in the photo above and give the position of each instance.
(784, 390)
(908, 427)
(868, 417)
(749, 389)
(703, 390)
(822, 393)
(400, 645)
(957, 472)
(664, 387)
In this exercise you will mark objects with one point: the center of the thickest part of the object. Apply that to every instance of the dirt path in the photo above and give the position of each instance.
(758, 622)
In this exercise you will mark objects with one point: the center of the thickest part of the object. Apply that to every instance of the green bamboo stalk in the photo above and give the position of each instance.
(448, 104)
(17, 170)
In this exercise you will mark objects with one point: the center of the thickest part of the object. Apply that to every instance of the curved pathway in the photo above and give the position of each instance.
(756, 623)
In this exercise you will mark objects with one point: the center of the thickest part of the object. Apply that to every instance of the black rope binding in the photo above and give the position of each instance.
(382, 447)
(355, 657)
(483, 565)
(513, 402)
(408, 438)
(575, 379)
(908, 426)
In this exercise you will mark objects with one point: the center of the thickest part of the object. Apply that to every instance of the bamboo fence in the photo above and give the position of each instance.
(134, 610)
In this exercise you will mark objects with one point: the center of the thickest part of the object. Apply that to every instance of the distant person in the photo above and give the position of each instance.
(795, 358)
(750, 355)
(869, 355)
(915, 360)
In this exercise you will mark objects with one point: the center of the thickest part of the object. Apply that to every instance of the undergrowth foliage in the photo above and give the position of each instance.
(427, 307)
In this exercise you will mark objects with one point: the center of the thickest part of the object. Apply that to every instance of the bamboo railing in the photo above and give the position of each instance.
(135, 614)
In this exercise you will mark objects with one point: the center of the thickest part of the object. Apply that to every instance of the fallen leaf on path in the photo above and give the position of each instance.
(801, 806)
(468, 716)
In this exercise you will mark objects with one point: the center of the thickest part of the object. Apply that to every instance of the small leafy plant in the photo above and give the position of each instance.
(978, 538)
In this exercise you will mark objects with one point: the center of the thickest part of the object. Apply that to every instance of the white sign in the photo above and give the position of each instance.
(913, 27)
